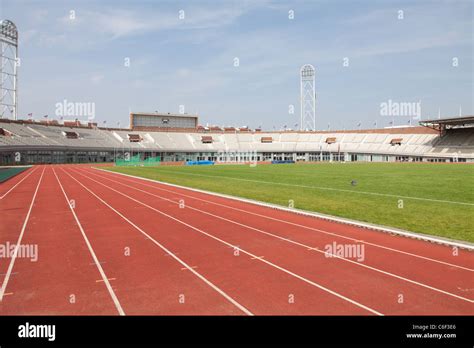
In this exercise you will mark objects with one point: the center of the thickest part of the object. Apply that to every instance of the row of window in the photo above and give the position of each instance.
(31, 157)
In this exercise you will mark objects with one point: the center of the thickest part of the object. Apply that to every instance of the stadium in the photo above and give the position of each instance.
(181, 139)
(175, 215)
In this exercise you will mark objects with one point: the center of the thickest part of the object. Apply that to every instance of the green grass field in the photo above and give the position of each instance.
(436, 199)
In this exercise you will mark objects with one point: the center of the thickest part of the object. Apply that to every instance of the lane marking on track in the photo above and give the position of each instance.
(101, 280)
(306, 246)
(11, 274)
(18, 183)
(93, 263)
(186, 269)
(205, 280)
(261, 204)
(329, 189)
(118, 306)
(257, 258)
(18, 243)
(360, 305)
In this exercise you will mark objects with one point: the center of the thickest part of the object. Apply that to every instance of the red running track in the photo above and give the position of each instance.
(112, 244)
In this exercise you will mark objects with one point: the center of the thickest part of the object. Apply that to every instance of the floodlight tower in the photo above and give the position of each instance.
(308, 98)
(8, 69)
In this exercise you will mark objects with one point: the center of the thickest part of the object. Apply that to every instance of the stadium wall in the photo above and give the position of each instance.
(28, 143)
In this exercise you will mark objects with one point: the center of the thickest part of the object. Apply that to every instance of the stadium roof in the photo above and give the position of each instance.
(447, 123)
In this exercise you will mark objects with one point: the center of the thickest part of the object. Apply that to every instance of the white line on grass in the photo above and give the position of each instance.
(18, 243)
(190, 268)
(293, 211)
(325, 188)
(298, 243)
(242, 250)
(118, 306)
(18, 183)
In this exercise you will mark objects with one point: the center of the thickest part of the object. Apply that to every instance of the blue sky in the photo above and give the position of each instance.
(190, 61)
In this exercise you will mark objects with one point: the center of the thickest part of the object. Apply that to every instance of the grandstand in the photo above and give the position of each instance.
(159, 121)
(27, 142)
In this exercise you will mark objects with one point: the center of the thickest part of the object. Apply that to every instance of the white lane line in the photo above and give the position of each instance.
(118, 306)
(327, 188)
(244, 251)
(300, 244)
(257, 258)
(264, 216)
(167, 251)
(18, 243)
(137, 179)
(185, 269)
(18, 183)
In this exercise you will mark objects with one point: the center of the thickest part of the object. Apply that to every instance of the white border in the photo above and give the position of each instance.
(380, 228)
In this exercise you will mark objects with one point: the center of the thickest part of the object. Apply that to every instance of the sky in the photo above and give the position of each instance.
(151, 56)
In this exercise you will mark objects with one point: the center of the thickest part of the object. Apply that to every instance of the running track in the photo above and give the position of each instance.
(111, 244)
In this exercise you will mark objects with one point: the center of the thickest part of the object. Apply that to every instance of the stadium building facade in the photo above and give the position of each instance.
(179, 139)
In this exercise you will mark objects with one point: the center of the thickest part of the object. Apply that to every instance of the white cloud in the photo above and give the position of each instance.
(49, 40)
(118, 23)
(97, 78)
(183, 72)
(27, 36)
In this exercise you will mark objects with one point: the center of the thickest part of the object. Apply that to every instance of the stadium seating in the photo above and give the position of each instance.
(17, 135)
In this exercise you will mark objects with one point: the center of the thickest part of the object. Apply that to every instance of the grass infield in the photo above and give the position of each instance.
(435, 199)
